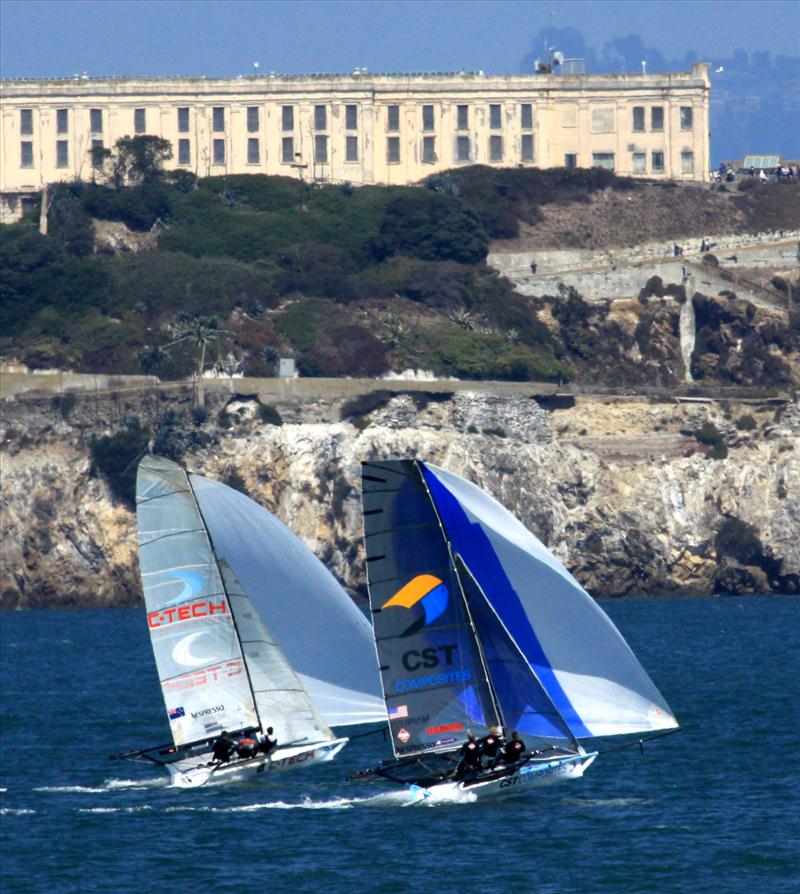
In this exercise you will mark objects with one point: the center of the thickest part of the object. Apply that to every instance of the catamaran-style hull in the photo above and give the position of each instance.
(529, 775)
(192, 774)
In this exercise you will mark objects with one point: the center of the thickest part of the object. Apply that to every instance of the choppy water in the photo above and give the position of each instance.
(713, 809)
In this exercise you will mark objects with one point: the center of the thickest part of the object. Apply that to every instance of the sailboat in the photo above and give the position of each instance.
(249, 631)
(478, 626)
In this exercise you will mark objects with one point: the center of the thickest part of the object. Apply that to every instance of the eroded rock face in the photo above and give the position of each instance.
(617, 490)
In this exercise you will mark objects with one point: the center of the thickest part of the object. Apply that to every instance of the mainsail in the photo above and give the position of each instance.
(445, 560)
(213, 585)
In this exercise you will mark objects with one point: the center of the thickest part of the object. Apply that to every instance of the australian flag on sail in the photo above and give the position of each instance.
(175, 713)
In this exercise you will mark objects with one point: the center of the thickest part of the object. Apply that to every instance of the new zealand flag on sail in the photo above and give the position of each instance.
(175, 713)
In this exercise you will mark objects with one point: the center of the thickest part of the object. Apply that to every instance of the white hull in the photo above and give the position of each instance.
(529, 775)
(197, 771)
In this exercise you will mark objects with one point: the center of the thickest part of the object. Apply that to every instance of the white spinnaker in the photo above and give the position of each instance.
(325, 637)
(594, 666)
(198, 657)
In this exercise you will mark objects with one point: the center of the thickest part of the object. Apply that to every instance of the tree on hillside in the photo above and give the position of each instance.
(200, 332)
(134, 160)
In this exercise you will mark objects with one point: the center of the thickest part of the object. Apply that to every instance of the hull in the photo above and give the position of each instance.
(194, 772)
(530, 775)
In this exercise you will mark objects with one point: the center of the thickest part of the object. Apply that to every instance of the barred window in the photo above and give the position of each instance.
(462, 117)
(183, 120)
(351, 149)
(96, 120)
(393, 118)
(62, 120)
(638, 119)
(26, 154)
(687, 118)
(687, 161)
(527, 147)
(351, 117)
(97, 153)
(427, 118)
(321, 150)
(139, 121)
(429, 150)
(253, 119)
(526, 116)
(26, 122)
(495, 148)
(287, 118)
(570, 160)
(287, 148)
(603, 160)
(462, 149)
(657, 162)
(639, 162)
(253, 152)
(62, 154)
(218, 119)
(320, 117)
(219, 152)
(657, 118)
(495, 117)
(184, 152)
(393, 150)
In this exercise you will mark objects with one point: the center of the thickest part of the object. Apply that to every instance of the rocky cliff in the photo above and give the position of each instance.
(621, 490)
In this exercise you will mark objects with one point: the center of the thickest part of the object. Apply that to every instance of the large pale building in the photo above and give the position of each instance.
(361, 128)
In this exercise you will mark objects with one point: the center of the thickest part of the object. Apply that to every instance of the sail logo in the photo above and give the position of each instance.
(204, 609)
(425, 590)
(212, 674)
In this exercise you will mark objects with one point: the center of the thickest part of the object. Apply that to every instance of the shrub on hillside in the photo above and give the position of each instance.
(711, 436)
(739, 540)
(269, 415)
(116, 457)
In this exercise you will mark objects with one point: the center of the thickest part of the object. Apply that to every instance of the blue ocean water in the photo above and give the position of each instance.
(714, 808)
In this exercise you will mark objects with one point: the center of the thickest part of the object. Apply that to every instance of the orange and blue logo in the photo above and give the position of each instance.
(425, 590)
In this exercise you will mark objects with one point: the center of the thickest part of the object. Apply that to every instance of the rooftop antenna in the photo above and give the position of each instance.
(255, 68)
(644, 67)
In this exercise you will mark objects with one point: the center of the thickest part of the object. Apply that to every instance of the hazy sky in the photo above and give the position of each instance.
(46, 38)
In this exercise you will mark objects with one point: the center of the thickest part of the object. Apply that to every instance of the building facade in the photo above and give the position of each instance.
(360, 128)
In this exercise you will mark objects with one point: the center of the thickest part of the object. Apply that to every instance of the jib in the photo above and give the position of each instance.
(429, 657)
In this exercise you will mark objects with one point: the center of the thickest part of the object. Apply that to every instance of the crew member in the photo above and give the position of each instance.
(470, 757)
(514, 749)
(490, 746)
(246, 747)
(268, 741)
(223, 748)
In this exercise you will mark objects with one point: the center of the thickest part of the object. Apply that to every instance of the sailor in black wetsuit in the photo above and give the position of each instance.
(513, 750)
(490, 747)
(223, 748)
(470, 762)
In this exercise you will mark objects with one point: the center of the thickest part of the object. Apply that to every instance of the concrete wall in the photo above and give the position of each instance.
(575, 115)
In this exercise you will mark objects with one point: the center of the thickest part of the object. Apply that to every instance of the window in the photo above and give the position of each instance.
(26, 122)
(287, 118)
(429, 150)
(393, 150)
(603, 120)
(638, 118)
(351, 117)
(526, 116)
(62, 120)
(462, 117)
(687, 161)
(253, 152)
(96, 120)
(184, 152)
(97, 153)
(639, 162)
(320, 117)
(427, 118)
(393, 118)
(657, 162)
(351, 149)
(219, 152)
(139, 121)
(253, 119)
(687, 118)
(495, 148)
(183, 120)
(218, 119)
(527, 147)
(603, 160)
(26, 154)
(321, 150)
(657, 118)
(570, 160)
(462, 148)
(495, 117)
(287, 148)
(62, 154)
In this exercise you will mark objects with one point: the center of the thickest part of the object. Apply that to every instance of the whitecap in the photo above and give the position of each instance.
(13, 811)
(140, 809)
(71, 789)
(154, 782)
